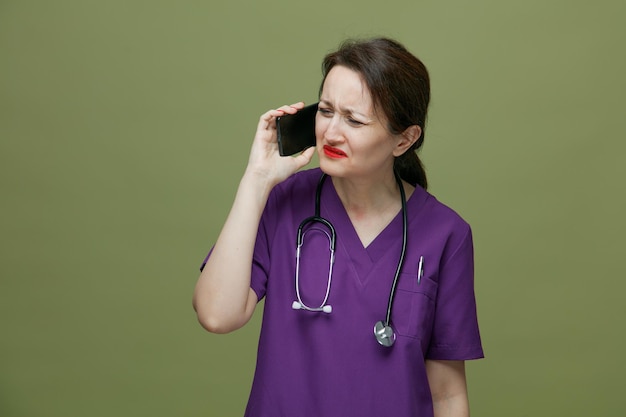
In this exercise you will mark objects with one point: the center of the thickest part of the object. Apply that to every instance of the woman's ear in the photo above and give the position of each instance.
(407, 139)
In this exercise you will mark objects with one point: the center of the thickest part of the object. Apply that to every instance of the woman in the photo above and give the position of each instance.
(327, 360)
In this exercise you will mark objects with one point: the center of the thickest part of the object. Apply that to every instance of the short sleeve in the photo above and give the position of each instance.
(455, 334)
(261, 256)
(206, 259)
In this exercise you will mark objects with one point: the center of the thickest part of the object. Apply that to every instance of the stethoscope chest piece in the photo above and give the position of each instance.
(384, 334)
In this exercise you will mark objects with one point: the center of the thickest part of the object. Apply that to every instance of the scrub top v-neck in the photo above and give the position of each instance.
(364, 258)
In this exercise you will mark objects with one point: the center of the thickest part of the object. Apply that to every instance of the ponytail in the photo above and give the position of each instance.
(410, 168)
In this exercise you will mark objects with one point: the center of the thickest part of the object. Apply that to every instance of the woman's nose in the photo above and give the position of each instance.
(332, 132)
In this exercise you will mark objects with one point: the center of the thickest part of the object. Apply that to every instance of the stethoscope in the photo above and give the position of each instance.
(383, 331)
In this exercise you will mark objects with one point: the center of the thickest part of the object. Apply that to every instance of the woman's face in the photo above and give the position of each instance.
(352, 141)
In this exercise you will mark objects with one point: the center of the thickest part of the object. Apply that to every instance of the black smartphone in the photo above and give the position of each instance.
(296, 132)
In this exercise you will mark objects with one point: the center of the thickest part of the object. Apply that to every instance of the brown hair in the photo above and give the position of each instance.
(400, 88)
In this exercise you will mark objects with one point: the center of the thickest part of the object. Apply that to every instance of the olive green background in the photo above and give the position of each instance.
(125, 127)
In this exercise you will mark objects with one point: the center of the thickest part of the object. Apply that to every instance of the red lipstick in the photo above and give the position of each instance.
(331, 152)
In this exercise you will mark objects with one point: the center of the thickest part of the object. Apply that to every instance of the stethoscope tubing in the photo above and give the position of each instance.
(405, 226)
(332, 238)
(383, 331)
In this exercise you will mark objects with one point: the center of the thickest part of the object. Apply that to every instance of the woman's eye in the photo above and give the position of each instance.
(354, 122)
(324, 112)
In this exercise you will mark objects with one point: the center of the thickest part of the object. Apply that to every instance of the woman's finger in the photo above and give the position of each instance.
(292, 108)
(267, 119)
(305, 157)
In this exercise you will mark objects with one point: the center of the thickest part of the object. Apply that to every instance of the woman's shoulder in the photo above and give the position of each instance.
(302, 182)
(440, 213)
(296, 190)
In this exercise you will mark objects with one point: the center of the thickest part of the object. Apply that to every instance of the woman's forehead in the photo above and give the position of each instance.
(347, 91)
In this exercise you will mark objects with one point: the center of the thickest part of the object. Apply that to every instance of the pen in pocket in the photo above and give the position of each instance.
(420, 270)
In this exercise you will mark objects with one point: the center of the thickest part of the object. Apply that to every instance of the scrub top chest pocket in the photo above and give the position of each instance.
(414, 306)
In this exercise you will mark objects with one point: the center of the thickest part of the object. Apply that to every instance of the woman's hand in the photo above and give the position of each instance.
(265, 163)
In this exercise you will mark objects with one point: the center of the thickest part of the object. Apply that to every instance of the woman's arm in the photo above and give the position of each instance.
(448, 388)
(223, 299)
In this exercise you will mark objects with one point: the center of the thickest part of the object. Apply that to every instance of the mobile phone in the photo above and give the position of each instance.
(296, 132)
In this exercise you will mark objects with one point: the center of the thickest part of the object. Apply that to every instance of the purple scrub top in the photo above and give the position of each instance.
(317, 364)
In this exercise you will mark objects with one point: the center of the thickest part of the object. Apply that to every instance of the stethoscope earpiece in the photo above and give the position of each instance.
(296, 305)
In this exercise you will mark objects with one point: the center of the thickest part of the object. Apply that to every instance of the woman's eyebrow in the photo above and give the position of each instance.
(347, 110)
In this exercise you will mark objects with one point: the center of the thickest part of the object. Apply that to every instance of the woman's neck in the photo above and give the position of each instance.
(371, 205)
(367, 195)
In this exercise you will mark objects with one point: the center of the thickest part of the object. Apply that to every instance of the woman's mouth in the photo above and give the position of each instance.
(331, 152)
